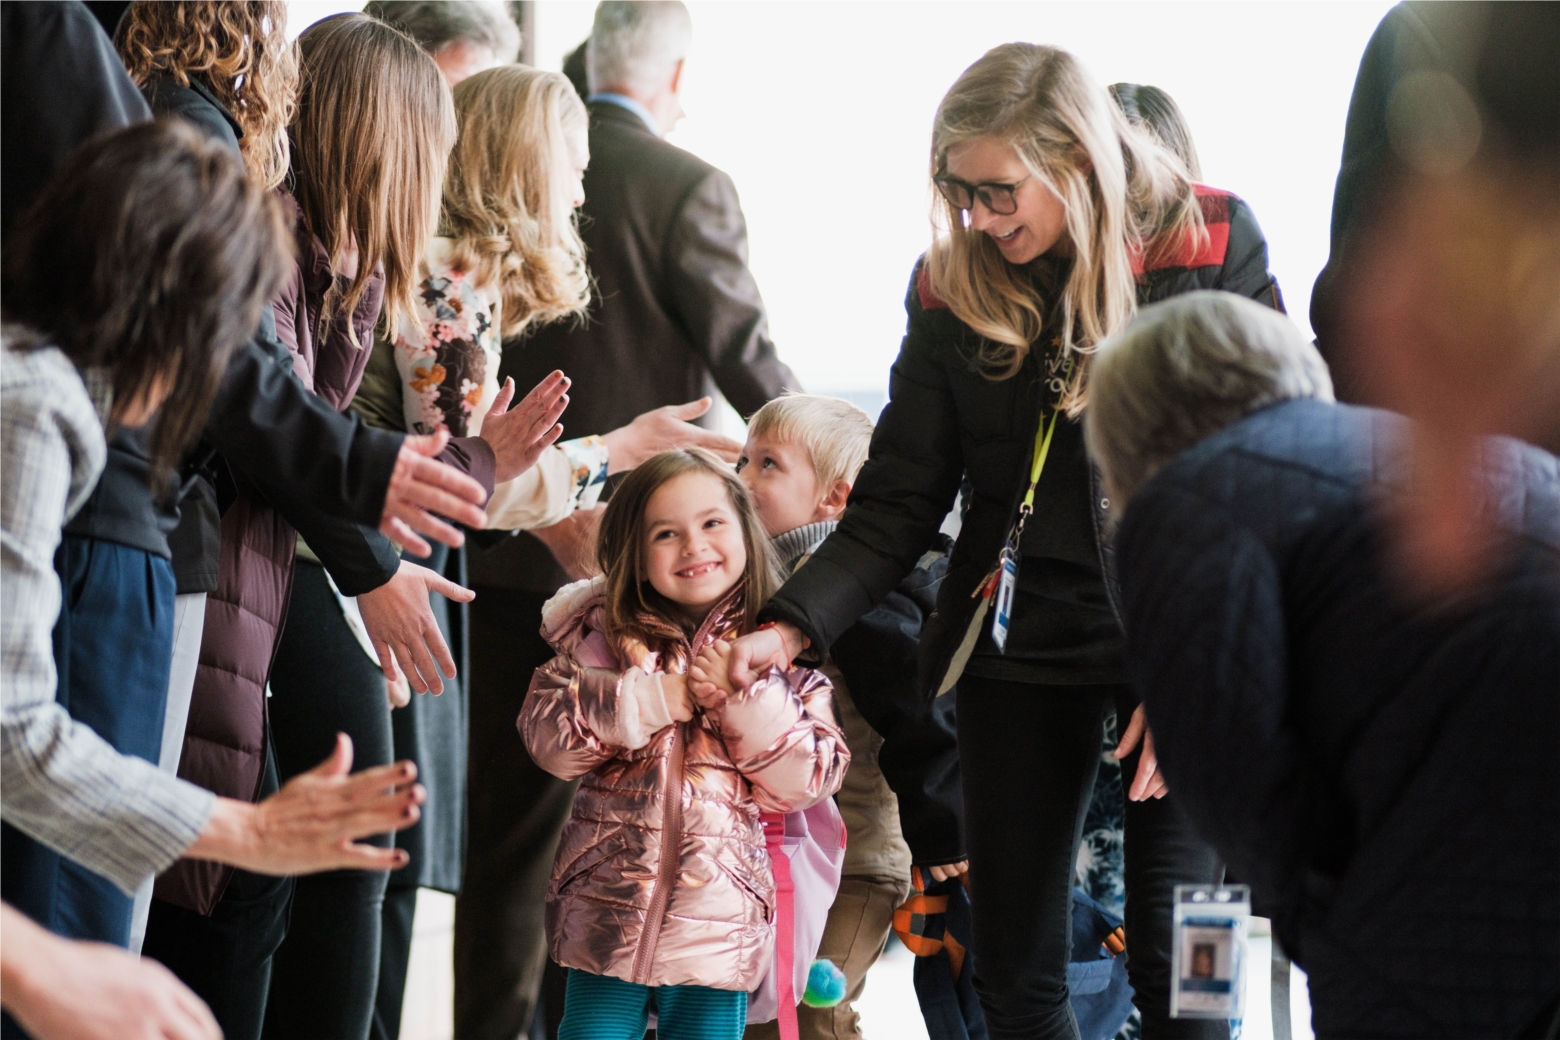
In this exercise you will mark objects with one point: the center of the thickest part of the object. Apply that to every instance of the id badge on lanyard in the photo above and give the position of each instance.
(1208, 951)
(1005, 577)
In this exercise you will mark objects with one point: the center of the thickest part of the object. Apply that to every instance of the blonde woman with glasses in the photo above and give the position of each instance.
(1056, 221)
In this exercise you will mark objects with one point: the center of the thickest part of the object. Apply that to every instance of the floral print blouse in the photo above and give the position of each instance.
(448, 354)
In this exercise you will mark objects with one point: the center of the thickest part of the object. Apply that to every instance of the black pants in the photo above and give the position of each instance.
(515, 812)
(1029, 754)
(226, 957)
(326, 971)
(395, 953)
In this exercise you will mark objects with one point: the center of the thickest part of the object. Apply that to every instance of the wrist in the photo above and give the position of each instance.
(617, 450)
(792, 641)
(231, 834)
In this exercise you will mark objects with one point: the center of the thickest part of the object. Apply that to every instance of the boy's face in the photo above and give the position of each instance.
(784, 486)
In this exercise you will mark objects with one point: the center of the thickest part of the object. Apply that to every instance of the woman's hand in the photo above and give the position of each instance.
(709, 676)
(314, 821)
(58, 989)
(1149, 782)
(572, 541)
(663, 430)
(756, 652)
(519, 435)
(944, 871)
(421, 486)
(401, 624)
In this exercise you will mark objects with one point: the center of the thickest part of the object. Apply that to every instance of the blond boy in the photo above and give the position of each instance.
(802, 455)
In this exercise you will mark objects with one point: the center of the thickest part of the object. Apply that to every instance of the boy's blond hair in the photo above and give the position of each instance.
(835, 432)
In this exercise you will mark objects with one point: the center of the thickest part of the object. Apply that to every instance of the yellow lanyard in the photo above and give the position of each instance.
(1043, 434)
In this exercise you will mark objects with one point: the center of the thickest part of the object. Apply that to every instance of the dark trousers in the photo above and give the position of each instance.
(113, 647)
(395, 953)
(226, 957)
(326, 971)
(515, 813)
(1029, 754)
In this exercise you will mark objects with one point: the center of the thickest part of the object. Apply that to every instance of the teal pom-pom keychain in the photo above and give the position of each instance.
(825, 984)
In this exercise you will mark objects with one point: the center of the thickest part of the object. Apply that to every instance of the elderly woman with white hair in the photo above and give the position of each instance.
(1378, 766)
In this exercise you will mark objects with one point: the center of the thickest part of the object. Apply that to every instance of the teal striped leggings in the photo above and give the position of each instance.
(600, 1007)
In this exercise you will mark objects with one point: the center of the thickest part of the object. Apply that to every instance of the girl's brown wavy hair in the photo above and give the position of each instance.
(507, 197)
(370, 143)
(240, 51)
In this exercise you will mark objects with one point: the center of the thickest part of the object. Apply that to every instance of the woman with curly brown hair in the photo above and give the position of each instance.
(235, 55)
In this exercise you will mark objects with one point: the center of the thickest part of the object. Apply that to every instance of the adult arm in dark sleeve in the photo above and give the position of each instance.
(1246, 260)
(920, 754)
(900, 498)
(1207, 653)
(717, 299)
(297, 449)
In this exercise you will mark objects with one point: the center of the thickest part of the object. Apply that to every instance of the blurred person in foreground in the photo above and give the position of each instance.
(674, 315)
(1441, 296)
(1379, 767)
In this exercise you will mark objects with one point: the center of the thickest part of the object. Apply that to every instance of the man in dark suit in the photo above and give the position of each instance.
(675, 316)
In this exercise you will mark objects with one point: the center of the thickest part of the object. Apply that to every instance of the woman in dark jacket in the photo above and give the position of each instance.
(1061, 220)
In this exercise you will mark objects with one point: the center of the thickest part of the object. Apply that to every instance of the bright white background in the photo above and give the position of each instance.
(822, 114)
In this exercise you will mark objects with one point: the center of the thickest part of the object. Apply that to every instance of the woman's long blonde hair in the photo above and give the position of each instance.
(507, 196)
(241, 53)
(1124, 196)
(370, 142)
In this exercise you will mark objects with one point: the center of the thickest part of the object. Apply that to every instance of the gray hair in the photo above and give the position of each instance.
(434, 23)
(1185, 369)
(635, 43)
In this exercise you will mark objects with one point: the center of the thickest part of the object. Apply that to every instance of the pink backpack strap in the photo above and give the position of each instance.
(785, 923)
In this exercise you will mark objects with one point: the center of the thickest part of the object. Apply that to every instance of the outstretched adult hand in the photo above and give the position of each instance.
(519, 435)
(401, 625)
(756, 652)
(1149, 781)
(422, 486)
(314, 822)
(60, 989)
(664, 429)
(572, 541)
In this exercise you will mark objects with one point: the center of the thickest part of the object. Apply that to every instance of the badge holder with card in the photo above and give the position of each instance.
(1208, 951)
(1005, 578)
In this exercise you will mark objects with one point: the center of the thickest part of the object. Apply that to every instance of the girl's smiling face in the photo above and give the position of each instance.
(694, 552)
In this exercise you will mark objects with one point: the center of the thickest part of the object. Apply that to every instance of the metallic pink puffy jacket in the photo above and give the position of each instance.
(661, 876)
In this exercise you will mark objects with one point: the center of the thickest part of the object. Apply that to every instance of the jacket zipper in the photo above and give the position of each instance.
(671, 855)
(671, 835)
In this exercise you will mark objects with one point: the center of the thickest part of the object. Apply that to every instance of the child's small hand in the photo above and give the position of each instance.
(674, 688)
(710, 674)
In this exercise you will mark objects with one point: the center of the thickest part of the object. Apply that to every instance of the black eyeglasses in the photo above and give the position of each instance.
(996, 197)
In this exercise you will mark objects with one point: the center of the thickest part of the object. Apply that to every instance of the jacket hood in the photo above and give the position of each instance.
(573, 613)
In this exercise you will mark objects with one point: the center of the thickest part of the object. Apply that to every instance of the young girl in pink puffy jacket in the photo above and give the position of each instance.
(661, 896)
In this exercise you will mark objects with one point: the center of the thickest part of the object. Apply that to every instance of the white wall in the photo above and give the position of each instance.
(795, 100)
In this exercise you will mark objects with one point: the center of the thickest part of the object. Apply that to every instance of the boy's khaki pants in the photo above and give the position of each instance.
(858, 925)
